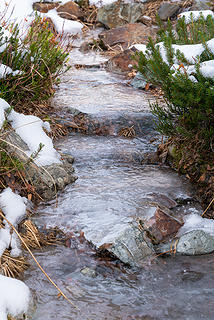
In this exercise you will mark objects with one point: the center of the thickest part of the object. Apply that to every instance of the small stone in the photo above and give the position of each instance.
(161, 226)
(45, 7)
(88, 272)
(139, 82)
(167, 10)
(121, 63)
(69, 10)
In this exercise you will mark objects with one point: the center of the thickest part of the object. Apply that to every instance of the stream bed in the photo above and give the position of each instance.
(111, 189)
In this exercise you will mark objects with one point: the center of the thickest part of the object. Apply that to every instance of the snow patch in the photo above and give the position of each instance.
(196, 222)
(30, 129)
(63, 26)
(195, 15)
(14, 297)
(100, 3)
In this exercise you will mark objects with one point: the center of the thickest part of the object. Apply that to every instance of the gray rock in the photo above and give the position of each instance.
(131, 246)
(119, 13)
(167, 10)
(47, 180)
(195, 242)
(139, 82)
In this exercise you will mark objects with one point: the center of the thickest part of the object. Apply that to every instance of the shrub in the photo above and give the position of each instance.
(40, 57)
(189, 108)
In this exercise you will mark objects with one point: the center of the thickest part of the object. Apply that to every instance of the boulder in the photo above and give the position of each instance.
(119, 13)
(124, 37)
(131, 246)
(44, 7)
(46, 180)
(122, 63)
(70, 10)
(195, 242)
(161, 226)
(167, 10)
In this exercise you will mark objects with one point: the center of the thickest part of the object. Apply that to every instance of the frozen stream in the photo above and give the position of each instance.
(111, 188)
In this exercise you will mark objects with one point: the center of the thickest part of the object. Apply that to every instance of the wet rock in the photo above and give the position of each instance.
(162, 200)
(89, 272)
(119, 13)
(139, 82)
(161, 226)
(122, 63)
(124, 37)
(168, 10)
(70, 10)
(192, 276)
(44, 7)
(196, 242)
(131, 246)
(47, 180)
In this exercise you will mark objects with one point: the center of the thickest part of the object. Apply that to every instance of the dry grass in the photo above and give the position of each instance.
(12, 266)
(128, 132)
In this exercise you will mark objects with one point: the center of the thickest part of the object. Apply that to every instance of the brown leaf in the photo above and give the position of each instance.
(202, 177)
(105, 246)
(59, 295)
(147, 87)
(29, 196)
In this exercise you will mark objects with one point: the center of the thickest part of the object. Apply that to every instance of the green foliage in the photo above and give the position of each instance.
(187, 33)
(189, 105)
(39, 57)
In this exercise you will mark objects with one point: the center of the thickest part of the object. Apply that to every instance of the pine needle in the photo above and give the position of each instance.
(208, 207)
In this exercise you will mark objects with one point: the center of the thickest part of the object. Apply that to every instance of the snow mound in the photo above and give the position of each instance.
(63, 26)
(14, 297)
(196, 222)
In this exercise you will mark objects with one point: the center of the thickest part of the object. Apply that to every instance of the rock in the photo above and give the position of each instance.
(122, 62)
(46, 180)
(195, 242)
(161, 226)
(123, 37)
(89, 272)
(70, 10)
(203, 5)
(167, 10)
(119, 13)
(131, 246)
(44, 7)
(162, 200)
(139, 82)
